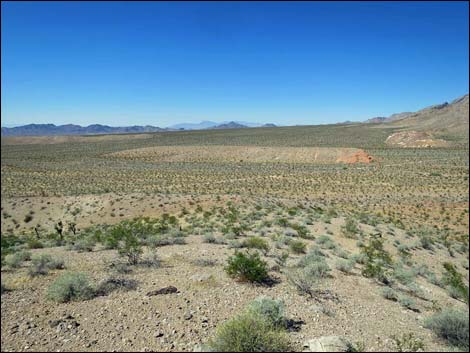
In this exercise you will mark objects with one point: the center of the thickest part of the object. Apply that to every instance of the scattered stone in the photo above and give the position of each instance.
(165, 290)
(54, 323)
(202, 348)
(328, 344)
(200, 277)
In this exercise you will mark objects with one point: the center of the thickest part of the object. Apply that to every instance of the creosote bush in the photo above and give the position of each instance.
(377, 261)
(408, 343)
(297, 246)
(350, 229)
(71, 286)
(256, 243)
(131, 248)
(247, 267)
(454, 280)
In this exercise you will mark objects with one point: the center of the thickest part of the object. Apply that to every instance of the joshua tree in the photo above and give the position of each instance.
(36, 230)
(73, 228)
(59, 227)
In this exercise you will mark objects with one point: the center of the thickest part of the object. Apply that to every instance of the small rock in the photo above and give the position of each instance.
(328, 344)
(202, 348)
(165, 290)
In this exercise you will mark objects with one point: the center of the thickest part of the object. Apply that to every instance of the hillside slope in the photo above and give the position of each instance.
(447, 119)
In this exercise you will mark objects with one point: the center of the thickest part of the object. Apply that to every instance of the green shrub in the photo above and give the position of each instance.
(71, 286)
(297, 246)
(205, 262)
(34, 243)
(408, 343)
(114, 283)
(301, 230)
(41, 264)
(209, 238)
(256, 243)
(454, 280)
(407, 302)
(345, 266)
(86, 244)
(451, 325)
(325, 242)
(13, 260)
(350, 229)
(303, 281)
(25, 255)
(358, 258)
(249, 332)
(314, 255)
(389, 294)
(377, 261)
(403, 275)
(342, 253)
(4, 289)
(432, 278)
(272, 310)
(318, 269)
(150, 259)
(247, 267)
(119, 267)
(281, 258)
(131, 248)
(9, 242)
(235, 244)
(314, 265)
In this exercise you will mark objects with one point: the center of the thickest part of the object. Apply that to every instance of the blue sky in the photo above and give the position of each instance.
(161, 63)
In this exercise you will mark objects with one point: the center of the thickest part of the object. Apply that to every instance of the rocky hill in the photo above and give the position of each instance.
(443, 119)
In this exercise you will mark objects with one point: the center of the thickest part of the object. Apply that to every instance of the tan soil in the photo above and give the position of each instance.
(132, 321)
(48, 140)
(241, 154)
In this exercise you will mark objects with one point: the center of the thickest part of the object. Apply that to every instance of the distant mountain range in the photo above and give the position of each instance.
(383, 119)
(451, 118)
(211, 125)
(71, 129)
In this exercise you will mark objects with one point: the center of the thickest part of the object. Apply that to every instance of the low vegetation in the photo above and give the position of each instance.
(247, 267)
(71, 286)
(452, 326)
(258, 329)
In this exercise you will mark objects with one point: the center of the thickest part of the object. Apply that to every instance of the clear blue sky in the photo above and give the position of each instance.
(159, 63)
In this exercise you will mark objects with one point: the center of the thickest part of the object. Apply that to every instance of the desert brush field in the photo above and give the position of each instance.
(239, 239)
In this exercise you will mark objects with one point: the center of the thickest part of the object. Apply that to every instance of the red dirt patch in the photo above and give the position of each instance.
(357, 157)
